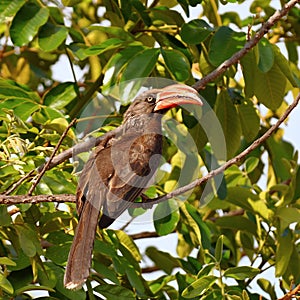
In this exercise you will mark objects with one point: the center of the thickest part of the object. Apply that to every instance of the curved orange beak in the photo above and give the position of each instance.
(175, 95)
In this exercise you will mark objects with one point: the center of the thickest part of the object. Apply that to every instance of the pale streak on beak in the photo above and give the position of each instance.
(175, 95)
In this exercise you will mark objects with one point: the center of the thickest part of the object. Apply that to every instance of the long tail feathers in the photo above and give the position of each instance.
(80, 256)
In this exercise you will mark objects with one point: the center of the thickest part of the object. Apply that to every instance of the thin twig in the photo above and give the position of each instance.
(73, 71)
(144, 235)
(46, 166)
(150, 269)
(248, 46)
(19, 182)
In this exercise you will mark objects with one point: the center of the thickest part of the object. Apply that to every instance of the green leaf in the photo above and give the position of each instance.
(6, 261)
(136, 280)
(241, 273)
(82, 51)
(251, 163)
(106, 271)
(59, 125)
(249, 68)
(284, 251)
(15, 97)
(199, 286)
(114, 31)
(61, 95)
(32, 287)
(129, 244)
(58, 253)
(6, 285)
(219, 248)
(266, 55)
(45, 114)
(280, 150)
(70, 2)
(25, 110)
(231, 17)
(109, 44)
(177, 64)
(111, 291)
(78, 48)
(285, 66)
(265, 285)
(206, 269)
(169, 17)
(249, 119)
(141, 65)
(105, 248)
(269, 87)
(204, 228)
(166, 216)
(58, 182)
(224, 43)
(27, 22)
(29, 241)
(50, 36)
(9, 8)
(116, 63)
(195, 31)
(8, 92)
(163, 260)
(5, 218)
(237, 223)
(287, 216)
(142, 11)
(192, 225)
(230, 122)
(160, 284)
(292, 49)
(246, 199)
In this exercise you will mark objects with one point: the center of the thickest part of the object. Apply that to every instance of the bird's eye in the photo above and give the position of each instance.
(150, 99)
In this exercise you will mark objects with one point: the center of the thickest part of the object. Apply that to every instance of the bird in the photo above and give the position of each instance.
(119, 170)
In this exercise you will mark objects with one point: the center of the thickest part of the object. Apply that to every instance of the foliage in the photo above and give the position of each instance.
(115, 41)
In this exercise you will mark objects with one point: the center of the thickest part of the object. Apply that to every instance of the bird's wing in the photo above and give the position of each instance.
(132, 172)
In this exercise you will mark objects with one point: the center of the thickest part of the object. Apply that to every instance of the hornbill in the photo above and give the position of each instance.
(118, 171)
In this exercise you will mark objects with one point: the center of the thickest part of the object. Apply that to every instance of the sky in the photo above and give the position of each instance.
(168, 243)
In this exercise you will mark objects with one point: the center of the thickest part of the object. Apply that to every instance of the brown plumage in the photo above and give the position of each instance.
(119, 170)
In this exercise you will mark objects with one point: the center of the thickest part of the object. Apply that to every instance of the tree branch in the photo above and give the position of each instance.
(292, 294)
(21, 199)
(248, 46)
(9, 200)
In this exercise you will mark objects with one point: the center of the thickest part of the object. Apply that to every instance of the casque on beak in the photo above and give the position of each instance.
(175, 95)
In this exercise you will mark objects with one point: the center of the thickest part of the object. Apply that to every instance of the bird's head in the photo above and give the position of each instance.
(159, 100)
